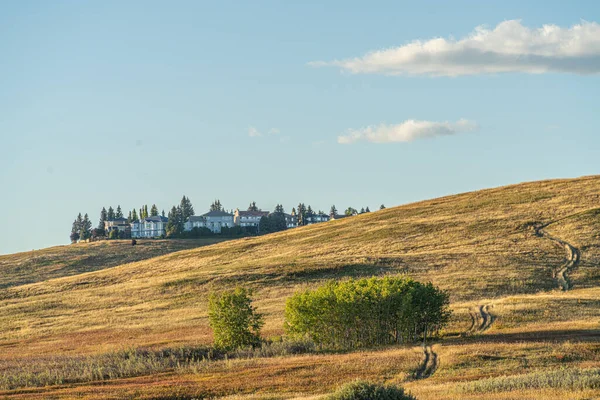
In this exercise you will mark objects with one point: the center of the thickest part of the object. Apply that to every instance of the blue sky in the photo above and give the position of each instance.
(140, 102)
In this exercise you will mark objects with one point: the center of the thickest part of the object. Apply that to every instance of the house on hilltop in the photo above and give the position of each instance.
(248, 218)
(213, 220)
(150, 227)
(118, 224)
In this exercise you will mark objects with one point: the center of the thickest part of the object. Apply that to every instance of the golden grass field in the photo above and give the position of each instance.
(480, 246)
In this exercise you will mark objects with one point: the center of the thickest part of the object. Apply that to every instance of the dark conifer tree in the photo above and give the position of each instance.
(86, 228)
(382, 207)
(129, 218)
(119, 213)
(333, 211)
(367, 209)
(154, 211)
(103, 218)
(134, 216)
(252, 206)
(186, 208)
(111, 214)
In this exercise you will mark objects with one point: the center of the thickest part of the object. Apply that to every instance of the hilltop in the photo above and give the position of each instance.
(55, 262)
(484, 247)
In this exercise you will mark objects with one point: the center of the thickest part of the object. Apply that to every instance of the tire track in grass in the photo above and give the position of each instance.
(573, 257)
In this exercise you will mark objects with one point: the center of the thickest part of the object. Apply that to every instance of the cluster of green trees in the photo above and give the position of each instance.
(81, 228)
(367, 312)
(178, 216)
(339, 314)
(274, 222)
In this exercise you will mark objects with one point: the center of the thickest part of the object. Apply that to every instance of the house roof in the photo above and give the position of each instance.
(253, 213)
(217, 214)
(157, 218)
(196, 218)
(118, 220)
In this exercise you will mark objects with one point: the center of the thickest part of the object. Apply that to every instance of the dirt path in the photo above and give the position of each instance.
(573, 257)
(481, 319)
(429, 364)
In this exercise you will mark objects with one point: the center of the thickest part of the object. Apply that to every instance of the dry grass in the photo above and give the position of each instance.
(55, 262)
(479, 246)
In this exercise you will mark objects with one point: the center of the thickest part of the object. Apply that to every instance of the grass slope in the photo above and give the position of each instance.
(480, 246)
(55, 262)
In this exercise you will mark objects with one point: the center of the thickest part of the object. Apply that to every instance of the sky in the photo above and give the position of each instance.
(349, 103)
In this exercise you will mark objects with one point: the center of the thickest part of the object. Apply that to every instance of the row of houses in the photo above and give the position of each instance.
(155, 226)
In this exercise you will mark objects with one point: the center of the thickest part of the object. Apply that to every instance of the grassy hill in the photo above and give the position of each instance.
(55, 262)
(482, 247)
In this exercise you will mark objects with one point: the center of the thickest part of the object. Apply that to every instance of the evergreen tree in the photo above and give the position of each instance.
(129, 218)
(216, 206)
(175, 226)
(111, 214)
(146, 215)
(301, 214)
(119, 213)
(333, 211)
(75, 228)
(382, 207)
(134, 216)
(279, 209)
(362, 210)
(154, 211)
(186, 208)
(163, 213)
(86, 228)
(367, 209)
(252, 207)
(103, 218)
(293, 211)
(309, 211)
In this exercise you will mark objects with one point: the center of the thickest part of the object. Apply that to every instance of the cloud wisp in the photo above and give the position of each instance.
(255, 133)
(509, 47)
(406, 131)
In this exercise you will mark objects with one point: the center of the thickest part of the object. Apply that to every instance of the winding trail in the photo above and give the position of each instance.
(429, 364)
(573, 257)
(481, 319)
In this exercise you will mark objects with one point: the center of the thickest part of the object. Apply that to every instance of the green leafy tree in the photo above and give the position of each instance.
(119, 213)
(134, 216)
(301, 211)
(363, 390)
(350, 211)
(233, 319)
(264, 225)
(146, 215)
(382, 207)
(333, 211)
(113, 234)
(367, 312)
(154, 211)
(103, 218)
(110, 215)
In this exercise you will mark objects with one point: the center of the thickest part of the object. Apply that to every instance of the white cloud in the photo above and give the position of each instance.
(509, 47)
(406, 131)
(253, 132)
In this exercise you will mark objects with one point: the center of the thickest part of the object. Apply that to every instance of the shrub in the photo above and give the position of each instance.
(367, 312)
(362, 390)
(234, 320)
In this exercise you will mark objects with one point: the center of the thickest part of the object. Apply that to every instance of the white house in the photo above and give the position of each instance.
(213, 220)
(291, 220)
(248, 218)
(151, 227)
